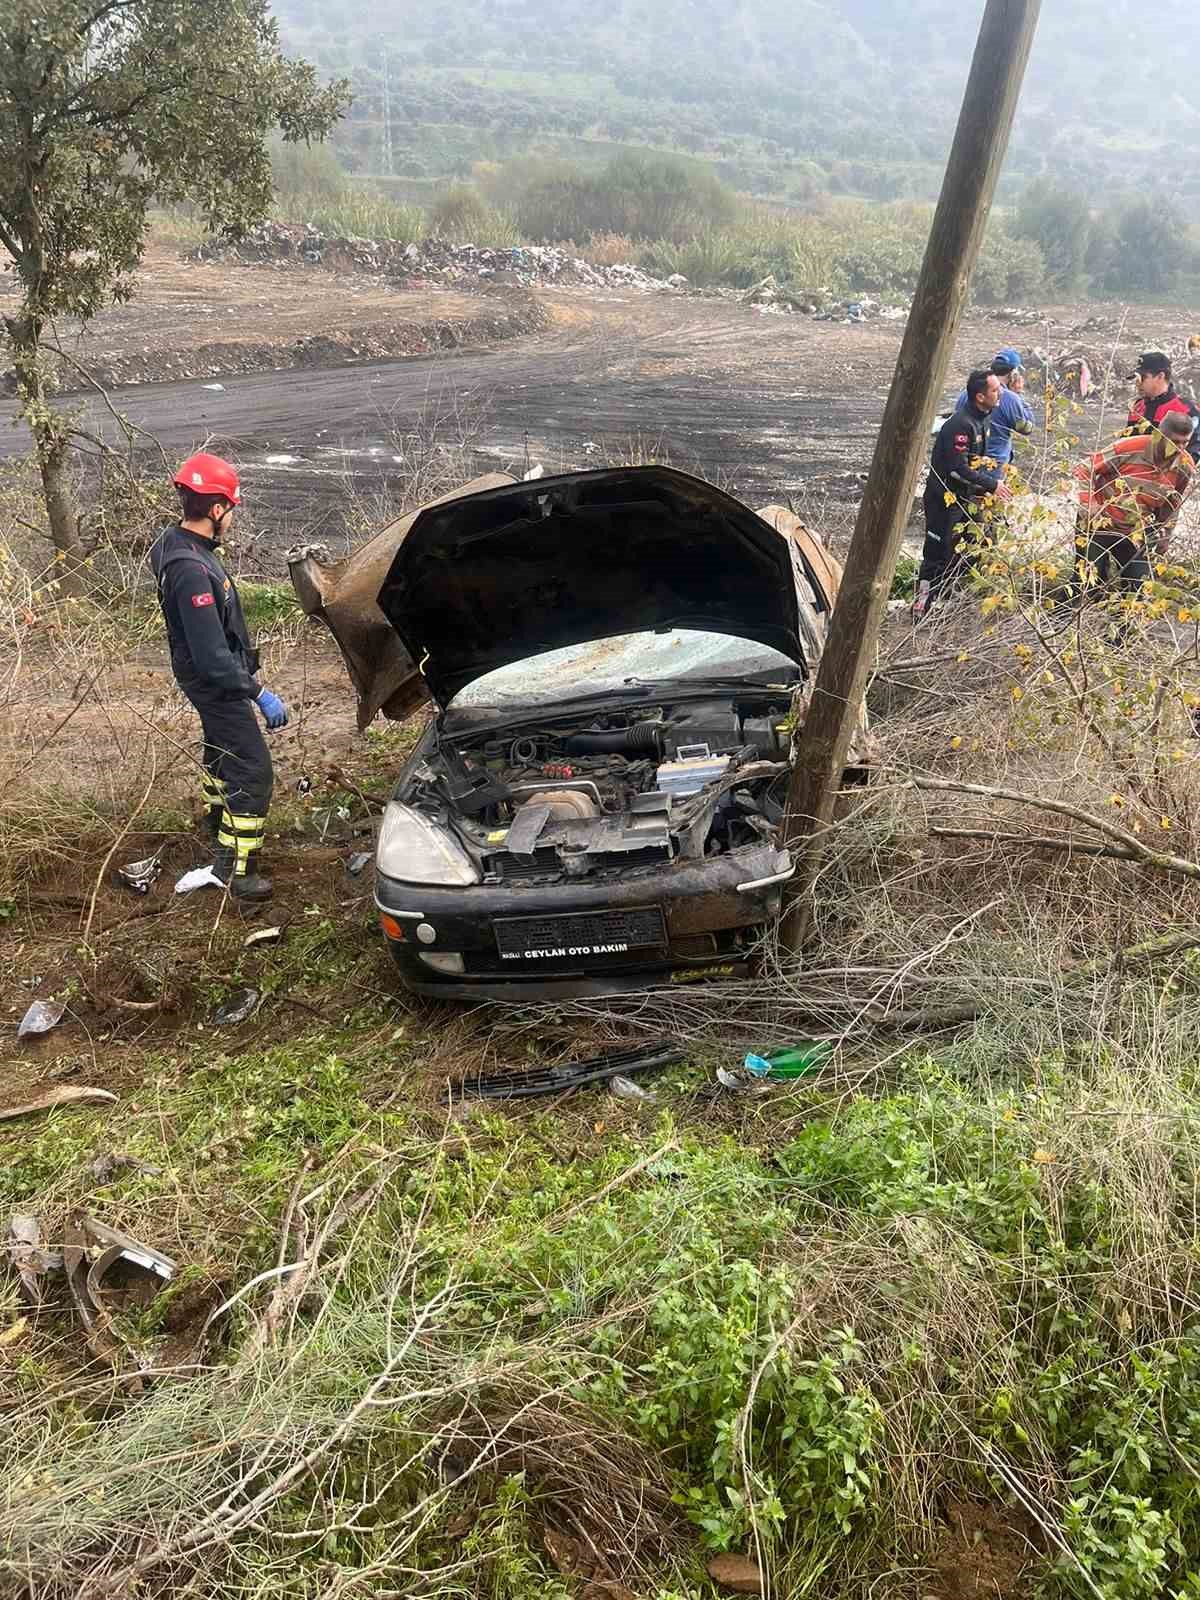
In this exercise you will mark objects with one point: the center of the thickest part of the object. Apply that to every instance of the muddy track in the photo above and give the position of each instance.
(770, 406)
(765, 404)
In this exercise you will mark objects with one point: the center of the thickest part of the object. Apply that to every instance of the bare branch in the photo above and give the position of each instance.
(1163, 860)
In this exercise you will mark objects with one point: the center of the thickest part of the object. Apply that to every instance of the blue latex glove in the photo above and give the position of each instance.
(272, 708)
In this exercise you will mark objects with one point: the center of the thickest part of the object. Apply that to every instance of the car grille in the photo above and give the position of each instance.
(514, 869)
(580, 935)
(545, 863)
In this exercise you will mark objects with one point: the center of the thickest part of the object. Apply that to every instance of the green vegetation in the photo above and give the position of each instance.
(846, 97)
(973, 1281)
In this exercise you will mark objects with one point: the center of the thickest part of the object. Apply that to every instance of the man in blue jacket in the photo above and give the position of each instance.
(1012, 414)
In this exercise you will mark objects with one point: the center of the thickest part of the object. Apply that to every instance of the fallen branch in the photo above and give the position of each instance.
(1180, 866)
(1076, 847)
(62, 1096)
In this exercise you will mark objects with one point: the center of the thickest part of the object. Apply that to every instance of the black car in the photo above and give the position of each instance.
(596, 806)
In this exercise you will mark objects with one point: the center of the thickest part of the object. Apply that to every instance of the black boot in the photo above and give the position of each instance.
(248, 886)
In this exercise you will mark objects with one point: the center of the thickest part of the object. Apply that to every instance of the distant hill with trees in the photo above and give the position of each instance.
(786, 98)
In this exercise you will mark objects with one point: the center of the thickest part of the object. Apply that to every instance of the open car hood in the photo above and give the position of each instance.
(343, 595)
(491, 578)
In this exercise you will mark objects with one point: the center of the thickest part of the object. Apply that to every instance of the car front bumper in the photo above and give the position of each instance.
(713, 911)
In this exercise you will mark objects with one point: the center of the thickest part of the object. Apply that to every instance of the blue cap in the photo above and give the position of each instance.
(1013, 357)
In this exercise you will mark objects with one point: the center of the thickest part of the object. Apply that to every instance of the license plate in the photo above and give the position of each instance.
(580, 935)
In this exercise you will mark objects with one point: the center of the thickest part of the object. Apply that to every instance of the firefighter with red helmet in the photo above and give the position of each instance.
(215, 662)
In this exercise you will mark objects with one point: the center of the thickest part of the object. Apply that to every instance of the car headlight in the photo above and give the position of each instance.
(416, 850)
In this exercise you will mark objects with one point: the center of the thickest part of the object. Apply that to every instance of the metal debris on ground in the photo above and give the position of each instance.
(109, 1163)
(94, 1252)
(41, 1017)
(237, 1008)
(141, 876)
(30, 1259)
(63, 1095)
(570, 1076)
(357, 862)
(263, 936)
(198, 878)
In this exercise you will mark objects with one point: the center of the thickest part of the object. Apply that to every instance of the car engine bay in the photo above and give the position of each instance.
(609, 793)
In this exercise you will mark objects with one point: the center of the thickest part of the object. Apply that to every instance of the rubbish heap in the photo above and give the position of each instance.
(526, 266)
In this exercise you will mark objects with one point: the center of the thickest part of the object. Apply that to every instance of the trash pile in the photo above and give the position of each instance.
(523, 266)
(775, 299)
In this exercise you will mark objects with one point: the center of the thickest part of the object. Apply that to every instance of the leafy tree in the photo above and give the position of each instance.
(1150, 248)
(1059, 220)
(105, 106)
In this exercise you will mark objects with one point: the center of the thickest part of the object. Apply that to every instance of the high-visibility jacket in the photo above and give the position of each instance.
(1135, 485)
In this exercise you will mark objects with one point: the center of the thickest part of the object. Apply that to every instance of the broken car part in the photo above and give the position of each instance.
(30, 1259)
(262, 936)
(102, 1264)
(573, 1075)
(236, 1009)
(141, 876)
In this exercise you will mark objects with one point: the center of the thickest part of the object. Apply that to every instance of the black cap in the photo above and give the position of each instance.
(1154, 361)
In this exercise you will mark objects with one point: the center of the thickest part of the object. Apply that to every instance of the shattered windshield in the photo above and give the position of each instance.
(617, 663)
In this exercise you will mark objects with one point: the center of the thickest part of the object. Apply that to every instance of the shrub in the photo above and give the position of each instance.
(1058, 220)
(643, 197)
(463, 216)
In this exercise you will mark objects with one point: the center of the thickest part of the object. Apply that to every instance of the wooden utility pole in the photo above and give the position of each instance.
(980, 142)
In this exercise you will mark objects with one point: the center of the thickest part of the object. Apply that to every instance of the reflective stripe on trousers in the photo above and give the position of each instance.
(244, 836)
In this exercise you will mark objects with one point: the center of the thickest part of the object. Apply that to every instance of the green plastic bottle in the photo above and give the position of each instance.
(790, 1061)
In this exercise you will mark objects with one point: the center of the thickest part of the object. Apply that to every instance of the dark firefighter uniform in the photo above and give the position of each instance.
(214, 664)
(958, 480)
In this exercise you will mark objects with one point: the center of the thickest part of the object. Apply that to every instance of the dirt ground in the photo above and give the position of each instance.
(769, 405)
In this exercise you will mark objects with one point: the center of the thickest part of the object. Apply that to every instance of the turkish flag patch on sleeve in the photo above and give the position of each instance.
(960, 441)
(205, 599)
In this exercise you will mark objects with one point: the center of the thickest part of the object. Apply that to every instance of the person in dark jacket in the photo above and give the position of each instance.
(961, 475)
(215, 662)
(1156, 395)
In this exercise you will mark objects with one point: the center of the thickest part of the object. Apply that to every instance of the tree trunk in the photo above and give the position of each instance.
(61, 511)
(52, 448)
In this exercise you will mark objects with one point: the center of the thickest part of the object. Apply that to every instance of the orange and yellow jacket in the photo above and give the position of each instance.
(1134, 485)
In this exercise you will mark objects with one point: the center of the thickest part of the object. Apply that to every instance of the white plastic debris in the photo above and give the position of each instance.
(626, 1089)
(536, 471)
(198, 878)
(263, 936)
(41, 1017)
(219, 388)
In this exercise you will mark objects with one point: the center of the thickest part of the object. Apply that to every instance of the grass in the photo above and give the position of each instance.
(974, 1278)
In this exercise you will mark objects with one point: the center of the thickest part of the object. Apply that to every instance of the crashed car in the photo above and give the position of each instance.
(615, 657)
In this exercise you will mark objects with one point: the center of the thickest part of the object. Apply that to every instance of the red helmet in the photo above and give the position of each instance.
(205, 474)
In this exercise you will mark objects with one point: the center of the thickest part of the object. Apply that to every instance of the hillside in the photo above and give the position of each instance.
(786, 99)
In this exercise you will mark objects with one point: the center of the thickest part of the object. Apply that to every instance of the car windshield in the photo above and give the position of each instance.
(622, 662)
